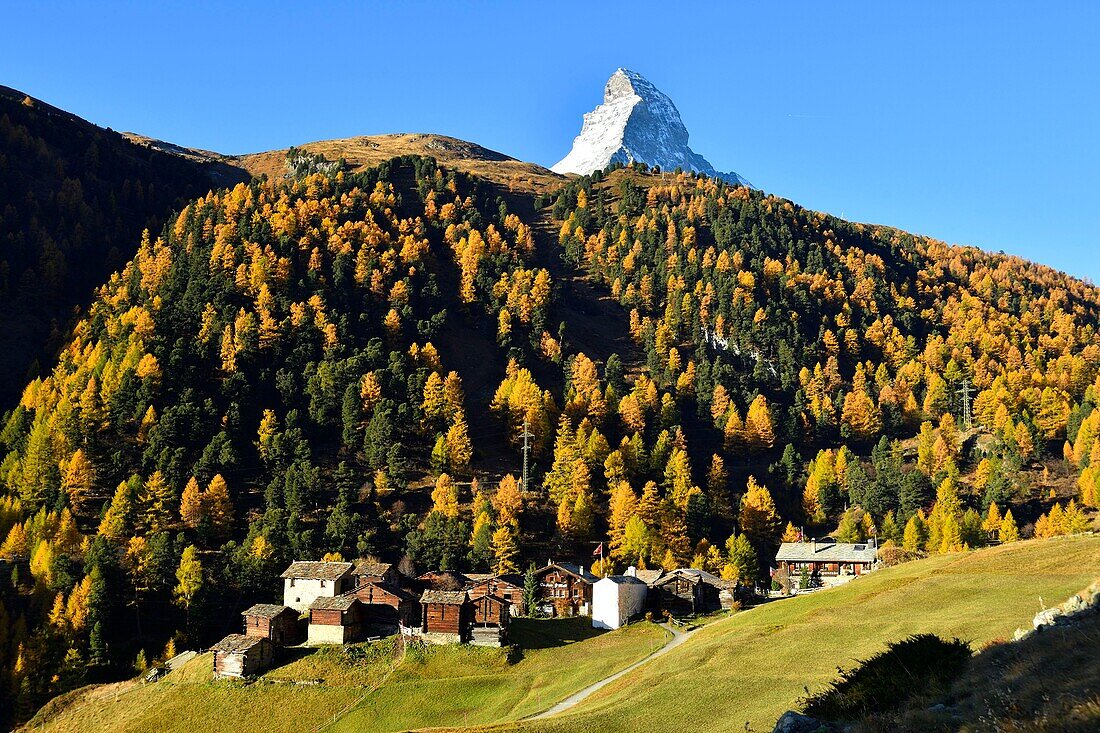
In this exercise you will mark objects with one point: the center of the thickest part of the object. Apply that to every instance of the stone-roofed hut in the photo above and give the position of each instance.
(375, 571)
(445, 616)
(338, 620)
(689, 591)
(238, 655)
(280, 624)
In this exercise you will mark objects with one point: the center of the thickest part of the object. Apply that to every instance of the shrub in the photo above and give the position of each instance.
(921, 664)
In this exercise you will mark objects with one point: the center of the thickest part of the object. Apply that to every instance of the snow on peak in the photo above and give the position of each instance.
(636, 122)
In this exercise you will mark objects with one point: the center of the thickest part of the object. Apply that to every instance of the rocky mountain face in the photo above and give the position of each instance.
(636, 122)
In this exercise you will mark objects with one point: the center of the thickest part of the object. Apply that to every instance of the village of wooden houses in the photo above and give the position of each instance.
(326, 602)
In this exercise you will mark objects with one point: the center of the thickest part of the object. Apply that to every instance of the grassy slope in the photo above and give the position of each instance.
(443, 686)
(753, 666)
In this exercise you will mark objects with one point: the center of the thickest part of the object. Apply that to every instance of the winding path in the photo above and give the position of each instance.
(678, 638)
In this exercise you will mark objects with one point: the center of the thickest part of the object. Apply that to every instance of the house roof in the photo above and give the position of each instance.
(237, 643)
(826, 552)
(513, 579)
(695, 575)
(372, 567)
(267, 610)
(310, 570)
(446, 597)
(384, 586)
(491, 597)
(649, 577)
(572, 569)
(621, 580)
(443, 580)
(337, 603)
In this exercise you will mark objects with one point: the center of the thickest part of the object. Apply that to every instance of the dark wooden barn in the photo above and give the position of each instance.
(508, 586)
(238, 655)
(280, 624)
(387, 607)
(688, 592)
(338, 620)
(447, 614)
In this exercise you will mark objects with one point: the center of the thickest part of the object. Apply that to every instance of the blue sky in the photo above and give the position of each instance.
(973, 122)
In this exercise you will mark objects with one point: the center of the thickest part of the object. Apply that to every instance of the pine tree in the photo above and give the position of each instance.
(717, 480)
(505, 550)
(78, 479)
(758, 423)
(993, 519)
(636, 542)
(481, 540)
(791, 534)
(508, 501)
(583, 518)
(915, 534)
(445, 496)
(759, 518)
(156, 503)
(189, 577)
(622, 506)
(742, 562)
(191, 505)
(678, 477)
(530, 591)
(1008, 531)
(118, 522)
(218, 506)
(458, 444)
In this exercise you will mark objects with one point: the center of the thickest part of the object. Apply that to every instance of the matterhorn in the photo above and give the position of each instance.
(635, 123)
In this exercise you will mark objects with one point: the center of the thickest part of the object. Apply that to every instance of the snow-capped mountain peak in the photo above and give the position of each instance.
(636, 122)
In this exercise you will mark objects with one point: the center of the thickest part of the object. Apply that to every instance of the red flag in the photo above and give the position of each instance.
(598, 551)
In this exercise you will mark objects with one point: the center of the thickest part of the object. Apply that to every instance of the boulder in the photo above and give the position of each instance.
(792, 722)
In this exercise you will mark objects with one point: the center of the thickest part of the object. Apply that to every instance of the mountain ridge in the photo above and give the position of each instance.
(636, 123)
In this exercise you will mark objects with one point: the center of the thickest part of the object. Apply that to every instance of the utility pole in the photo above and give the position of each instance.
(964, 391)
(526, 449)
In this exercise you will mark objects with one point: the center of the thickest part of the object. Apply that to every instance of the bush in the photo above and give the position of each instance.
(918, 665)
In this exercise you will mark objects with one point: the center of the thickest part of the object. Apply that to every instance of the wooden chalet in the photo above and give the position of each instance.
(338, 620)
(825, 560)
(688, 591)
(375, 571)
(386, 607)
(490, 621)
(507, 586)
(565, 589)
(446, 616)
(280, 624)
(238, 655)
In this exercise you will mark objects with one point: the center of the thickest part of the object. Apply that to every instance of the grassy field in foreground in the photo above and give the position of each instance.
(378, 688)
(752, 666)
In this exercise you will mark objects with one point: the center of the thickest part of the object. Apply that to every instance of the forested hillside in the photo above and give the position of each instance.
(74, 199)
(343, 364)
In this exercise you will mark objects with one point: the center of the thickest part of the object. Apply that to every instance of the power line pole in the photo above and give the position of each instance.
(964, 392)
(526, 449)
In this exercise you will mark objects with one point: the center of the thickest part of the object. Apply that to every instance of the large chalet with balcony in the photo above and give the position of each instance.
(565, 589)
